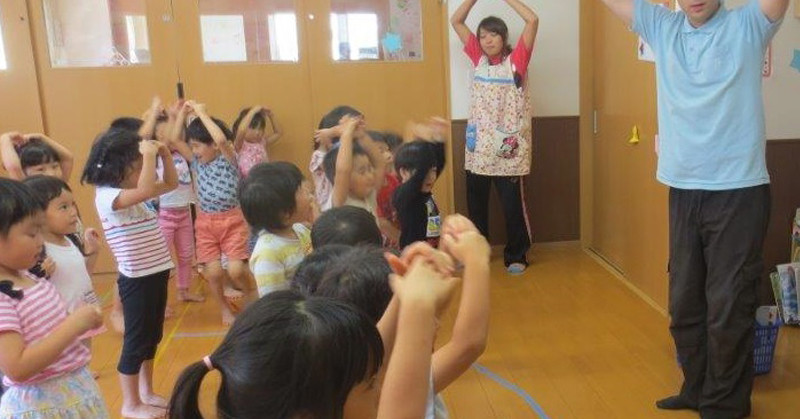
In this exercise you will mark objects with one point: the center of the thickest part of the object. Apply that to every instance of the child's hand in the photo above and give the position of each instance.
(467, 247)
(175, 109)
(88, 317)
(198, 108)
(349, 124)
(149, 147)
(456, 224)
(48, 266)
(91, 241)
(268, 113)
(17, 139)
(423, 284)
(441, 261)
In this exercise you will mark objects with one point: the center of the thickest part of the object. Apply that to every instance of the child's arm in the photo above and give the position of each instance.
(149, 186)
(222, 142)
(91, 245)
(244, 126)
(177, 137)
(375, 157)
(344, 164)
(147, 130)
(10, 156)
(471, 328)
(277, 133)
(20, 362)
(65, 156)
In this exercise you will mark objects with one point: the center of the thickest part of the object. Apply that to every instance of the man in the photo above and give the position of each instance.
(712, 156)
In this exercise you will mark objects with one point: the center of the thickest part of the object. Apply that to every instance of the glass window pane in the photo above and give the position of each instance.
(376, 30)
(97, 33)
(3, 63)
(256, 31)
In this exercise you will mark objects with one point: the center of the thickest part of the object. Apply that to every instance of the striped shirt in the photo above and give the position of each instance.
(275, 258)
(133, 235)
(40, 311)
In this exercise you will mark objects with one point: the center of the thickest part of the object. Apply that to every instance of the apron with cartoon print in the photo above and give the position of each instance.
(498, 139)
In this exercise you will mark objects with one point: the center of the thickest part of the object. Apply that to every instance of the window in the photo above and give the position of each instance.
(376, 30)
(3, 63)
(254, 31)
(97, 33)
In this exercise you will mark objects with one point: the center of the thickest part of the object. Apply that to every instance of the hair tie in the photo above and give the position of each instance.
(207, 361)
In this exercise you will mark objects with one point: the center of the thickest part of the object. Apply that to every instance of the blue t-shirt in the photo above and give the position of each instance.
(710, 106)
(217, 182)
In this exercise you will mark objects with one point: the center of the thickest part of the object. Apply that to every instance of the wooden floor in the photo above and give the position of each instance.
(567, 340)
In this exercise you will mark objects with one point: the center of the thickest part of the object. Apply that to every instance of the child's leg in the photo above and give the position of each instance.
(215, 276)
(208, 230)
(184, 247)
(136, 306)
(234, 245)
(116, 317)
(240, 275)
(158, 286)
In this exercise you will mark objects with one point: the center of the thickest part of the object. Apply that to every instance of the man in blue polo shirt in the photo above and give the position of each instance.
(712, 156)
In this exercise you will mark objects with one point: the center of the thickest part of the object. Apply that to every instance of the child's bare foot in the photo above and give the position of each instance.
(169, 312)
(185, 296)
(227, 318)
(143, 411)
(154, 400)
(117, 321)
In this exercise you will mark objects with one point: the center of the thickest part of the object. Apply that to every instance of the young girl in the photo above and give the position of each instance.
(355, 168)
(326, 136)
(250, 137)
(498, 140)
(277, 202)
(34, 154)
(419, 163)
(288, 356)
(387, 143)
(122, 166)
(42, 359)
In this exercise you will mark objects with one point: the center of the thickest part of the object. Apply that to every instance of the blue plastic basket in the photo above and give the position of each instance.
(764, 345)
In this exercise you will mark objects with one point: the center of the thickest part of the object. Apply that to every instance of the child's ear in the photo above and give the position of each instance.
(405, 174)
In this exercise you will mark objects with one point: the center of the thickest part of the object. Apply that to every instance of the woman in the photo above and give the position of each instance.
(498, 143)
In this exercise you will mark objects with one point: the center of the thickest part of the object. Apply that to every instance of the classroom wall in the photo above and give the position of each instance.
(553, 72)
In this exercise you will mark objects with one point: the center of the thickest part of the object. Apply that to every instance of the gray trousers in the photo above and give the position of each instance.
(716, 242)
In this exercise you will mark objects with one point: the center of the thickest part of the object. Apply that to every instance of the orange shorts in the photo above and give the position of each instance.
(224, 233)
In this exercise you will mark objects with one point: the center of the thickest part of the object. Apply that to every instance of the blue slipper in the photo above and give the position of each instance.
(516, 268)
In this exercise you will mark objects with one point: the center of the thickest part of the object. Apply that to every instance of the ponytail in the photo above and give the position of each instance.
(183, 403)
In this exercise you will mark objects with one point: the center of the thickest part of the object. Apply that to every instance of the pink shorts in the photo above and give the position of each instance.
(224, 233)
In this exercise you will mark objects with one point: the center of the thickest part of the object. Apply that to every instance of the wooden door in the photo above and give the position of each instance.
(81, 91)
(20, 109)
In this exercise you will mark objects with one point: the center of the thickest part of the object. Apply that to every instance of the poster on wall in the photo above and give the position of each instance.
(223, 38)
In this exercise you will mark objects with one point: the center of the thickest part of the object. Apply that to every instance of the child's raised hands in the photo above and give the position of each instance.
(48, 266)
(462, 240)
(422, 283)
(149, 147)
(91, 241)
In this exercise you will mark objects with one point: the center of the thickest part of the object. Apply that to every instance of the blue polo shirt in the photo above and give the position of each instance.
(710, 108)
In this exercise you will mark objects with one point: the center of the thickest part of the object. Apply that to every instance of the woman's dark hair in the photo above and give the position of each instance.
(332, 118)
(286, 356)
(17, 202)
(267, 194)
(496, 25)
(36, 152)
(259, 122)
(198, 132)
(329, 161)
(359, 278)
(46, 188)
(310, 271)
(127, 123)
(347, 225)
(112, 154)
(417, 157)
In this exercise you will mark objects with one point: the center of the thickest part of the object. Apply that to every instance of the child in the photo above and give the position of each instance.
(34, 154)
(43, 362)
(220, 228)
(175, 212)
(122, 166)
(278, 203)
(419, 163)
(311, 270)
(251, 139)
(288, 356)
(355, 168)
(387, 219)
(326, 136)
(350, 226)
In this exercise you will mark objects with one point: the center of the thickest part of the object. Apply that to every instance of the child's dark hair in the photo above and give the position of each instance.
(36, 152)
(17, 202)
(259, 122)
(46, 188)
(286, 356)
(111, 156)
(127, 123)
(391, 139)
(332, 118)
(417, 157)
(329, 162)
(496, 25)
(360, 278)
(310, 271)
(347, 225)
(267, 194)
(198, 132)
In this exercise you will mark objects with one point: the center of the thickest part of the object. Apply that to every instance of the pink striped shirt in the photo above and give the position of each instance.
(35, 316)
(133, 235)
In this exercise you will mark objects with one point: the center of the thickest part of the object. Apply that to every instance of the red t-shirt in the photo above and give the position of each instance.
(385, 208)
(520, 55)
